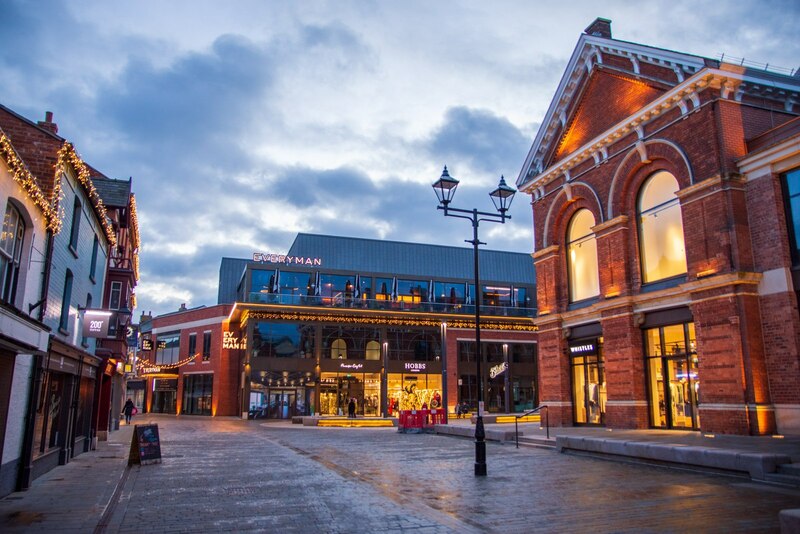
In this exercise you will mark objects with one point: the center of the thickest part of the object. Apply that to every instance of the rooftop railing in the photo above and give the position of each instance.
(340, 301)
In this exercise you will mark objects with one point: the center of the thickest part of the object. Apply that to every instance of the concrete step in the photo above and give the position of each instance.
(543, 443)
(789, 469)
(782, 479)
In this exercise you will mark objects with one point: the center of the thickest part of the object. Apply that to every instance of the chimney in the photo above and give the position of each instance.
(599, 28)
(183, 307)
(47, 123)
(145, 317)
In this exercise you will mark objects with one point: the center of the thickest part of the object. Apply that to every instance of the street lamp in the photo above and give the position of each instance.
(445, 188)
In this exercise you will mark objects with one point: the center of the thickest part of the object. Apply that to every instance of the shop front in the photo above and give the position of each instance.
(164, 395)
(341, 381)
(672, 370)
(587, 367)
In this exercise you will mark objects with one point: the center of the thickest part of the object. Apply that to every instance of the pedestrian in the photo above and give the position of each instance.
(351, 408)
(128, 411)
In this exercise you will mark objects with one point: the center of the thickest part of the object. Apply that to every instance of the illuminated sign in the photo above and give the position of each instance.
(286, 260)
(147, 344)
(583, 349)
(414, 367)
(97, 322)
(497, 370)
(353, 366)
(230, 341)
(150, 370)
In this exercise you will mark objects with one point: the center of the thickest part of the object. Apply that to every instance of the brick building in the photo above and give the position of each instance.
(390, 324)
(664, 260)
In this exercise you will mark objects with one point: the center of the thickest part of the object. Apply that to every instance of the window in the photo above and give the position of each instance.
(168, 348)
(116, 294)
(66, 298)
(76, 226)
(206, 346)
(791, 191)
(11, 241)
(93, 268)
(338, 349)
(661, 241)
(192, 345)
(85, 340)
(584, 280)
(373, 350)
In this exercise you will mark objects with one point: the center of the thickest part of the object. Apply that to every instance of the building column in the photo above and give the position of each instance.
(623, 353)
(555, 388)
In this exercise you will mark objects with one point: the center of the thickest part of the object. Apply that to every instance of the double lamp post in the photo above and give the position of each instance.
(445, 188)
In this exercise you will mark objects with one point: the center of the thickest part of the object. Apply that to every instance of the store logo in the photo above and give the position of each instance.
(287, 260)
(150, 370)
(497, 370)
(353, 366)
(587, 348)
(415, 367)
(230, 341)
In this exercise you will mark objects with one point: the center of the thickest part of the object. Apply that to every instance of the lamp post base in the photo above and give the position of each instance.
(480, 448)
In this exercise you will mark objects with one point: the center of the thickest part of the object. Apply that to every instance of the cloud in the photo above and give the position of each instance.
(478, 137)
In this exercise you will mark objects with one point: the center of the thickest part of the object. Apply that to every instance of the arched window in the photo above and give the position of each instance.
(338, 349)
(373, 350)
(661, 243)
(11, 241)
(584, 281)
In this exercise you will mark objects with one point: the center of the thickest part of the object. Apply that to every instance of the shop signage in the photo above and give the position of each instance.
(150, 370)
(147, 344)
(132, 335)
(497, 370)
(286, 260)
(145, 445)
(415, 367)
(230, 341)
(96, 322)
(584, 348)
(351, 366)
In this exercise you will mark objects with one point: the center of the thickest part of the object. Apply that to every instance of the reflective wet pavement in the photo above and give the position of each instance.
(230, 475)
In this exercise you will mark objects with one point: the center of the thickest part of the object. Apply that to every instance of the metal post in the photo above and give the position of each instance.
(480, 434)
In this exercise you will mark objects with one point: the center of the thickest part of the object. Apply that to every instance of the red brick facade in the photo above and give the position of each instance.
(734, 226)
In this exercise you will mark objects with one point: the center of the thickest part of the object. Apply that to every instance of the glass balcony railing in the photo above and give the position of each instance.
(339, 301)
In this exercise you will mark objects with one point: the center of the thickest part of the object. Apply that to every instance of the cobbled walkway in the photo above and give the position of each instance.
(226, 475)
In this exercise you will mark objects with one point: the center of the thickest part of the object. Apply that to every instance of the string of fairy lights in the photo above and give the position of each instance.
(147, 364)
(23, 176)
(68, 156)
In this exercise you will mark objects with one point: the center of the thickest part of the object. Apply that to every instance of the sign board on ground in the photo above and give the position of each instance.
(145, 445)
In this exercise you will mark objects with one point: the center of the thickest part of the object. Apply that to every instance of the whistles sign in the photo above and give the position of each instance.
(583, 348)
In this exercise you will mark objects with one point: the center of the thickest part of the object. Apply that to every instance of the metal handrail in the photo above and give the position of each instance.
(531, 412)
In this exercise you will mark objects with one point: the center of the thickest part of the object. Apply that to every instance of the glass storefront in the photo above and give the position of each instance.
(336, 390)
(165, 395)
(278, 402)
(509, 376)
(588, 381)
(672, 378)
(410, 391)
(197, 392)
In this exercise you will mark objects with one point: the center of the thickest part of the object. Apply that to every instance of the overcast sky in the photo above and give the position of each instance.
(243, 123)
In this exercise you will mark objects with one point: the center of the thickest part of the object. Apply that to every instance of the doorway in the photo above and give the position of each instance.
(673, 377)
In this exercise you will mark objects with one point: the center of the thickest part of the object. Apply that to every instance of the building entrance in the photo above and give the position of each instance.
(336, 390)
(588, 381)
(672, 376)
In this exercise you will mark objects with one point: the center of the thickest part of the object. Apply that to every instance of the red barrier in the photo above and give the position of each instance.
(416, 420)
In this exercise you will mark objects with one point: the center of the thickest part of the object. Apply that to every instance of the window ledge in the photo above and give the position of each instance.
(663, 284)
(72, 249)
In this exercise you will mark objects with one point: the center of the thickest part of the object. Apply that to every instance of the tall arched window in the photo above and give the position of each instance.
(373, 350)
(338, 349)
(584, 281)
(11, 241)
(661, 241)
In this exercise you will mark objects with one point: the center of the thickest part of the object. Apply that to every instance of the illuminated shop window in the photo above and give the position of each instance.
(584, 281)
(661, 241)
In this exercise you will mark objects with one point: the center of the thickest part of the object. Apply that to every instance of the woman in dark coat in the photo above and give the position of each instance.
(128, 411)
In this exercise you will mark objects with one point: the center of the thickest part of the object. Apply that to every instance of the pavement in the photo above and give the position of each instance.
(228, 475)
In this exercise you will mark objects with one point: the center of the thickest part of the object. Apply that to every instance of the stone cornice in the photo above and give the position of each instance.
(731, 84)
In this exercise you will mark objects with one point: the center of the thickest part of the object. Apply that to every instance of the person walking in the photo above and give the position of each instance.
(351, 408)
(128, 411)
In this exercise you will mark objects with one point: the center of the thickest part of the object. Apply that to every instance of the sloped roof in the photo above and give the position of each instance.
(115, 193)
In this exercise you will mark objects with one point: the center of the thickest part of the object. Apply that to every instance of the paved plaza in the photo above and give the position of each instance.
(227, 475)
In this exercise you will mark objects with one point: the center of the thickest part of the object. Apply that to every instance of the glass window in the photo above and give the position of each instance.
(661, 240)
(283, 340)
(93, 267)
(168, 348)
(116, 295)
(11, 241)
(76, 225)
(339, 349)
(584, 280)
(192, 345)
(66, 298)
(85, 340)
(373, 350)
(791, 184)
(197, 394)
(206, 346)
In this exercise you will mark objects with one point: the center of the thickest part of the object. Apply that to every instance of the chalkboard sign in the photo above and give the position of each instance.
(145, 445)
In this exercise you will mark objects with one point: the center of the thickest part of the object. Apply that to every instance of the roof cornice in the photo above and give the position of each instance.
(732, 81)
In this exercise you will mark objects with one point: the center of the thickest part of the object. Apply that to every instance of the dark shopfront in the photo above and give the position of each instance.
(587, 367)
(509, 376)
(65, 398)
